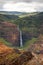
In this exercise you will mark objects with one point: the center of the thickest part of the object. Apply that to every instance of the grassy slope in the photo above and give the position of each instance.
(5, 42)
(29, 42)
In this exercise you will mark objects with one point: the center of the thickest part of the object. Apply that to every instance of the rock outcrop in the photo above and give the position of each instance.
(37, 51)
(22, 59)
(9, 56)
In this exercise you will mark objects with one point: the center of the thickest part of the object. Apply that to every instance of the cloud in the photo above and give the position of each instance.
(21, 5)
(3, 1)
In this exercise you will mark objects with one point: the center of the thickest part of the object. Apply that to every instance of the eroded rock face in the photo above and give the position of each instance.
(9, 56)
(10, 32)
(23, 59)
(37, 52)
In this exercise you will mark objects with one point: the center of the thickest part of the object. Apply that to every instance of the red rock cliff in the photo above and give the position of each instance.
(9, 32)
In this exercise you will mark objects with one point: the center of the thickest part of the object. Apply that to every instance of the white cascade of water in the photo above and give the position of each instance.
(21, 41)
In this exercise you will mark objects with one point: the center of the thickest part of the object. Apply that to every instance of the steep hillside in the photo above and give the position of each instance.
(10, 33)
(31, 25)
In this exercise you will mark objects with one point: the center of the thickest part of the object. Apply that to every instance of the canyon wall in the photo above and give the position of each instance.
(9, 32)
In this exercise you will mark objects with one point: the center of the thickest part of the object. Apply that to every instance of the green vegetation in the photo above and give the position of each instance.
(29, 42)
(30, 23)
(5, 42)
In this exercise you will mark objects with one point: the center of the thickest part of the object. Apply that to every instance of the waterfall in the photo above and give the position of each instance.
(21, 41)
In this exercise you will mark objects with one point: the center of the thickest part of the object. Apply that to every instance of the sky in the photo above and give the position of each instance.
(21, 5)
